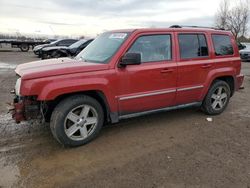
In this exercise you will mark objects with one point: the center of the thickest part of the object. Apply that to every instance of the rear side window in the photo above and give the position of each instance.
(192, 46)
(222, 45)
(153, 48)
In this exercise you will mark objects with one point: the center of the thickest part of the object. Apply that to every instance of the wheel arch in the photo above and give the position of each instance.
(229, 79)
(96, 94)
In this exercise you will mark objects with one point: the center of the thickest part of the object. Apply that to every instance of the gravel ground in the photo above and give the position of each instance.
(177, 149)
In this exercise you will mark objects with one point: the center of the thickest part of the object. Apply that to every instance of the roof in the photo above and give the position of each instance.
(182, 29)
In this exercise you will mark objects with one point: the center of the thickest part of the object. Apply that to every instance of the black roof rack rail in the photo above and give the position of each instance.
(181, 26)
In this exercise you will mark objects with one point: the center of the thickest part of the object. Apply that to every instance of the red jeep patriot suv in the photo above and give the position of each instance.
(127, 73)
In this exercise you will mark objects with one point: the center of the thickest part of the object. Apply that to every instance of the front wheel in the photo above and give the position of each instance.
(217, 98)
(77, 120)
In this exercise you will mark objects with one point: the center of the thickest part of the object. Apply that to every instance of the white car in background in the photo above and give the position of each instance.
(245, 53)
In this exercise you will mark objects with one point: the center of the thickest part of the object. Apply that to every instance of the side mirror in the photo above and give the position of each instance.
(130, 59)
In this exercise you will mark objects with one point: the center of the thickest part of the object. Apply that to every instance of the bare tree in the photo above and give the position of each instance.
(222, 15)
(235, 18)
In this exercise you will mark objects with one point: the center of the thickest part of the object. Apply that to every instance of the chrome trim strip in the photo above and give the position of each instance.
(159, 93)
(190, 88)
(159, 110)
(147, 94)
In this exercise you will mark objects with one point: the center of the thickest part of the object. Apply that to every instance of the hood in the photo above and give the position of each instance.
(245, 51)
(38, 47)
(54, 48)
(55, 67)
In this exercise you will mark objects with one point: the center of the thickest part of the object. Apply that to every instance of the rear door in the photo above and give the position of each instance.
(194, 64)
(152, 84)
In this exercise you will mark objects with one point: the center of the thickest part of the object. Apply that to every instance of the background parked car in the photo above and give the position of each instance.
(64, 51)
(62, 42)
(245, 53)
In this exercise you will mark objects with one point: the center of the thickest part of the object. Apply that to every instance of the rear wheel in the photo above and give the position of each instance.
(217, 98)
(77, 120)
(24, 47)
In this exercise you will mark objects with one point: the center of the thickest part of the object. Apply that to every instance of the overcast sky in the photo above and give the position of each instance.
(90, 17)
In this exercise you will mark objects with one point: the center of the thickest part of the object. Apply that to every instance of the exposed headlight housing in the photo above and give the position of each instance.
(18, 86)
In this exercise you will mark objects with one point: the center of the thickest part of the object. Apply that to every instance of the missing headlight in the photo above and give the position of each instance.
(18, 86)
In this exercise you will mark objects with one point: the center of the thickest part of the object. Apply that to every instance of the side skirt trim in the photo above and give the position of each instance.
(160, 110)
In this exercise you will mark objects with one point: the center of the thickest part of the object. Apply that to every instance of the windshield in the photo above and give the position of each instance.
(102, 48)
(54, 42)
(78, 43)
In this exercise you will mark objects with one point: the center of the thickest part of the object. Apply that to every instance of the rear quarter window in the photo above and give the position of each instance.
(222, 45)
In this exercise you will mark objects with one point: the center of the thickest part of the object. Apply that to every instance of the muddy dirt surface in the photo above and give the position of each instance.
(177, 149)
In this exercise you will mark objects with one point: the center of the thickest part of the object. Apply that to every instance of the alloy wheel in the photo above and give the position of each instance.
(80, 122)
(219, 98)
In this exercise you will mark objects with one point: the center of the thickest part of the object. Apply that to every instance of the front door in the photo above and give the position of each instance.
(152, 84)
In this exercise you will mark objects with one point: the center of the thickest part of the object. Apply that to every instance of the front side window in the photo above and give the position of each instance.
(192, 46)
(222, 45)
(103, 47)
(152, 48)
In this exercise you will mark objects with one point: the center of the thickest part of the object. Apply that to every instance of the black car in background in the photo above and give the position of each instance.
(61, 42)
(64, 51)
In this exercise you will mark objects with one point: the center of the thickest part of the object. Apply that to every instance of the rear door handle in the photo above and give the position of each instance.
(166, 70)
(206, 66)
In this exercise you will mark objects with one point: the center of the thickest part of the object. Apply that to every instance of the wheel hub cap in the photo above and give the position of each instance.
(219, 98)
(80, 122)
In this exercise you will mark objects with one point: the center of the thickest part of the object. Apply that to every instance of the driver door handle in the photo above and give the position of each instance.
(166, 70)
(206, 66)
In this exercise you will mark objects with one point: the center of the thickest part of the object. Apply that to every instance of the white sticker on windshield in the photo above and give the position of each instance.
(118, 35)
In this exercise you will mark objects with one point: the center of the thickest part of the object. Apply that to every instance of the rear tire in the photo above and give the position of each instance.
(217, 98)
(55, 54)
(24, 47)
(76, 120)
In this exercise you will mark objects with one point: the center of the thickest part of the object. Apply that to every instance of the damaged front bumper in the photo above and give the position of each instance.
(25, 108)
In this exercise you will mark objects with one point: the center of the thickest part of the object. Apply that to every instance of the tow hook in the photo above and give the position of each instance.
(10, 108)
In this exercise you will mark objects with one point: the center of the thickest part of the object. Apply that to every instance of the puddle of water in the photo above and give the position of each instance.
(9, 173)
(7, 66)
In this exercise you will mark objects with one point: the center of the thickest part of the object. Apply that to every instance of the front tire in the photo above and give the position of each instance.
(45, 56)
(217, 98)
(56, 54)
(77, 120)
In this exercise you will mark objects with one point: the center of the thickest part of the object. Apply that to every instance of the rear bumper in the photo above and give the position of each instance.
(239, 81)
